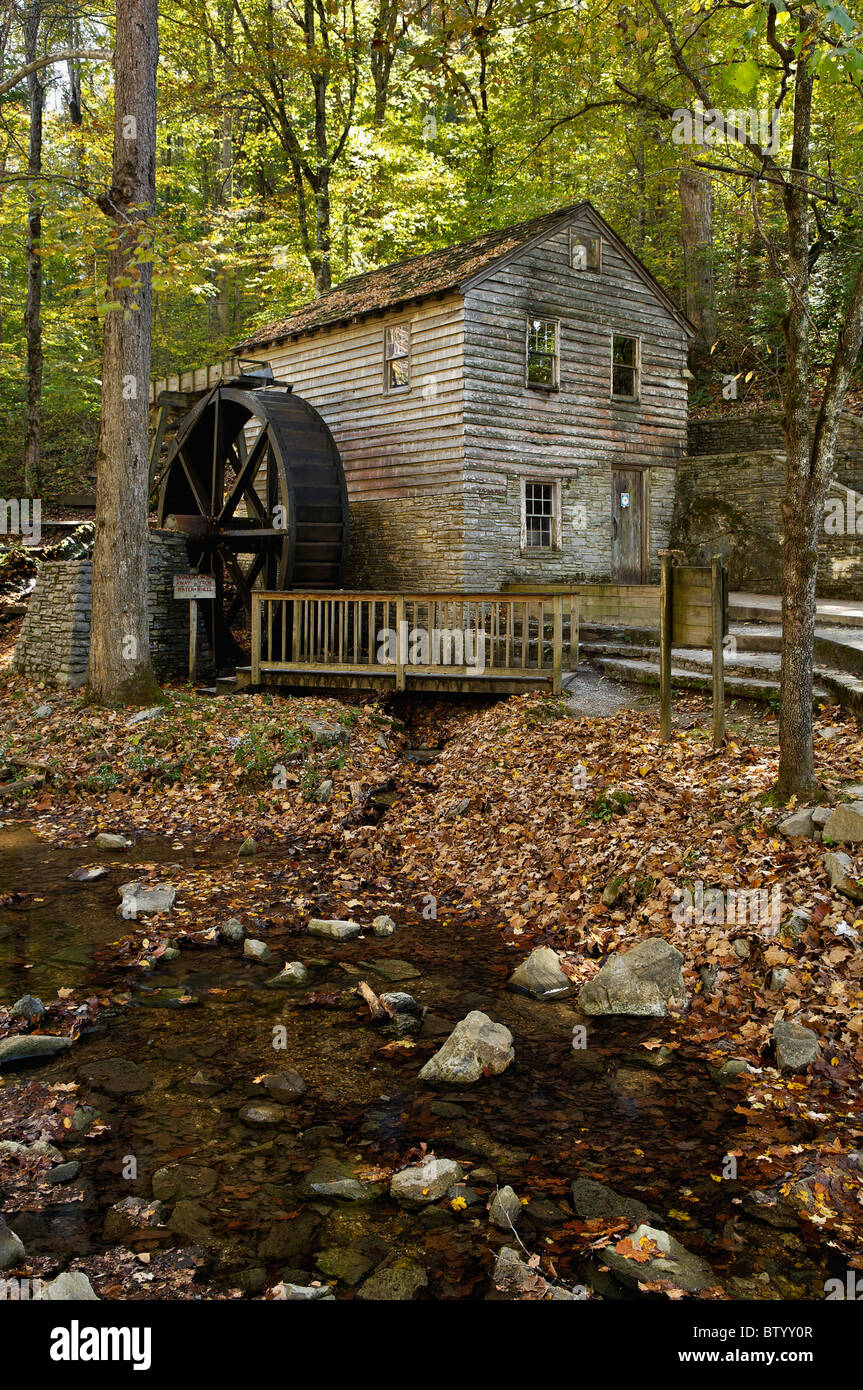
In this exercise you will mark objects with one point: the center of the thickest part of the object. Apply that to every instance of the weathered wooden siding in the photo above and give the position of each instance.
(393, 444)
(577, 433)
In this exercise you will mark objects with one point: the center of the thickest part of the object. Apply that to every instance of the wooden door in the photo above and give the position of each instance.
(627, 526)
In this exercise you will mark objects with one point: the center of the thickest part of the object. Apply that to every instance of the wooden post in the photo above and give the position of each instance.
(717, 618)
(401, 643)
(256, 637)
(557, 651)
(193, 640)
(666, 600)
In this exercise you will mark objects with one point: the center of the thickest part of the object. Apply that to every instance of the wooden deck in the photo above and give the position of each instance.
(452, 643)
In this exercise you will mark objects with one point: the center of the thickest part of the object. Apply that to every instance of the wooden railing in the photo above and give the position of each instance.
(400, 636)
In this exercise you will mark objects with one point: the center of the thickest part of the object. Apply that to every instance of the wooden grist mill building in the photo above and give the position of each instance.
(502, 414)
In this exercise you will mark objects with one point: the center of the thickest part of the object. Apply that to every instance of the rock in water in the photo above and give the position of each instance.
(593, 1199)
(28, 1007)
(643, 981)
(796, 1046)
(36, 1045)
(143, 899)
(11, 1247)
(383, 926)
(333, 928)
(232, 930)
(397, 1282)
(505, 1209)
(294, 973)
(845, 823)
(284, 1086)
(70, 1287)
(118, 1076)
(476, 1047)
(540, 975)
(258, 951)
(105, 840)
(248, 847)
(668, 1260)
(425, 1182)
(90, 874)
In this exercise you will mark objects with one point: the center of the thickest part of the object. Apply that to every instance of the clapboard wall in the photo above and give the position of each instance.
(578, 432)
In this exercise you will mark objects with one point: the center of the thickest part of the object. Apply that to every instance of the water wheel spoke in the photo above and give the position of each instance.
(243, 486)
(194, 484)
(238, 602)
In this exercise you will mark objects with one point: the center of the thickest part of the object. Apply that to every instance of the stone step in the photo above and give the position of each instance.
(748, 665)
(646, 672)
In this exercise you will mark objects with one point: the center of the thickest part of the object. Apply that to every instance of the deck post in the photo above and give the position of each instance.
(256, 638)
(557, 653)
(401, 642)
(666, 592)
(717, 613)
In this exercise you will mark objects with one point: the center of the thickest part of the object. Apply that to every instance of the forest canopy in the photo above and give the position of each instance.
(302, 143)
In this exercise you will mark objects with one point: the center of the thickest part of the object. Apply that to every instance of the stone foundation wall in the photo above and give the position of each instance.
(747, 434)
(407, 543)
(54, 644)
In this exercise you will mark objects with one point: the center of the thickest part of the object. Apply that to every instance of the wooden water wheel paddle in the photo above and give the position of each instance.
(254, 482)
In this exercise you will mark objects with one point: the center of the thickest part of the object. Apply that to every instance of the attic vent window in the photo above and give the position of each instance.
(397, 357)
(585, 250)
(625, 368)
(543, 353)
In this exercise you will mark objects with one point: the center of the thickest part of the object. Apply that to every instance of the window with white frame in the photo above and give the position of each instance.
(397, 357)
(540, 515)
(585, 250)
(625, 368)
(543, 353)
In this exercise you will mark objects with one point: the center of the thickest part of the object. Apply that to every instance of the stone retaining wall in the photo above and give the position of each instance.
(730, 504)
(54, 644)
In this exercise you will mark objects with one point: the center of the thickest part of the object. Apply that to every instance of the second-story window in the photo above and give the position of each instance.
(625, 366)
(543, 353)
(397, 357)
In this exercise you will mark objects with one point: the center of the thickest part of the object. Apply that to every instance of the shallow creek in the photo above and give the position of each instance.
(555, 1114)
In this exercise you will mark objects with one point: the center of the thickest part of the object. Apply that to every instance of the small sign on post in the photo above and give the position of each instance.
(190, 588)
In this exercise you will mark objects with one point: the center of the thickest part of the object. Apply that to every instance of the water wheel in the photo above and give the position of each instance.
(254, 481)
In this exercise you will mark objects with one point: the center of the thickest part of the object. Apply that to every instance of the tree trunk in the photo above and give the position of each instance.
(33, 309)
(120, 669)
(696, 210)
(802, 507)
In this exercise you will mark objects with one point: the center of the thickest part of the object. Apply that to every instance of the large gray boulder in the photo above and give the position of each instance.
(643, 982)
(796, 1046)
(668, 1260)
(845, 823)
(476, 1047)
(540, 975)
(425, 1182)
